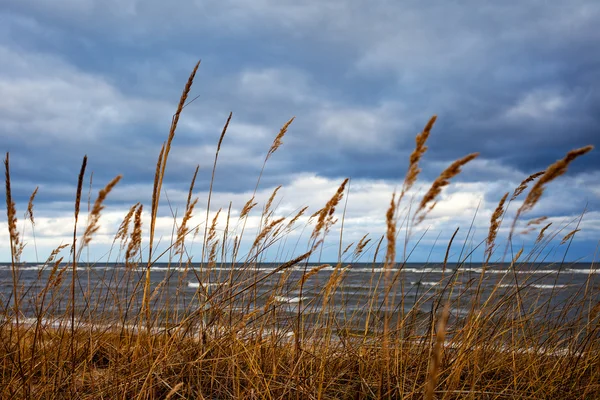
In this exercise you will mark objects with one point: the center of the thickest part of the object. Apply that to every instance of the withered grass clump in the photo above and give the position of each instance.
(227, 327)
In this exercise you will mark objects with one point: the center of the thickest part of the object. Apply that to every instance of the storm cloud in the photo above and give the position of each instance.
(517, 81)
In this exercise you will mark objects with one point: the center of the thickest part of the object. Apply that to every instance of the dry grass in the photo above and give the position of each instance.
(428, 202)
(293, 330)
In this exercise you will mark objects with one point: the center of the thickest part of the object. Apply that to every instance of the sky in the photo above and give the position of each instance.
(516, 81)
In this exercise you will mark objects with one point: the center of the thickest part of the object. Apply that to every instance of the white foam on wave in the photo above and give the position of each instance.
(289, 300)
(533, 285)
(206, 284)
(425, 283)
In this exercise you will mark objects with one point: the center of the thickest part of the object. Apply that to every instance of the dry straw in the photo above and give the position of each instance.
(554, 171)
(30, 206)
(390, 255)
(94, 217)
(495, 226)
(182, 231)
(325, 215)
(437, 186)
(541, 234)
(135, 241)
(360, 246)
(436, 357)
(279, 138)
(11, 213)
(123, 229)
(569, 236)
(523, 185)
(420, 149)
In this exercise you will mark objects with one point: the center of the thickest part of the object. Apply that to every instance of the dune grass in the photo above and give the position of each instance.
(125, 336)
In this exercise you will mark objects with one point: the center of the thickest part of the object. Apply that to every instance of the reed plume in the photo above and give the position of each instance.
(135, 242)
(250, 204)
(437, 186)
(94, 217)
(266, 230)
(569, 236)
(297, 216)
(189, 209)
(523, 185)
(123, 229)
(325, 215)
(279, 139)
(360, 246)
(11, 214)
(554, 171)
(537, 221)
(313, 271)
(495, 221)
(390, 255)
(267, 213)
(30, 206)
(162, 163)
(212, 180)
(541, 234)
(420, 149)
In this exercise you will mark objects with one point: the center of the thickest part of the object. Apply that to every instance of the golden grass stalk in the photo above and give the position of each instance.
(266, 230)
(155, 195)
(135, 242)
(325, 215)
(189, 209)
(212, 232)
(313, 271)
(212, 179)
(569, 236)
(74, 271)
(94, 217)
(158, 181)
(11, 214)
(436, 356)
(537, 221)
(494, 227)
(440, 182)
(523, 185)
(420, 149)
(164, 155)
(267, 213)
(30, 206)
(123, 229)
(360, 246)
(174, 390)
(279, 138)
(297, 216)
(182, 230)
(554, 171)
(390, 254)
(541, 234)
(250, 204)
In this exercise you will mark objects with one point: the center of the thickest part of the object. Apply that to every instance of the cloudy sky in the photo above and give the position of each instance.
(517, 81)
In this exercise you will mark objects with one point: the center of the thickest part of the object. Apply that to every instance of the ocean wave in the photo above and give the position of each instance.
(289, 300)
(534, 285)
(206, 284)
(425, 283)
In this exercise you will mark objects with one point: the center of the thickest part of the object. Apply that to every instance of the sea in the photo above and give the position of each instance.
(350, 293)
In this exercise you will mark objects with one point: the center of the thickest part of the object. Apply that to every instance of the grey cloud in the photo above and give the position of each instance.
(516, 81)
